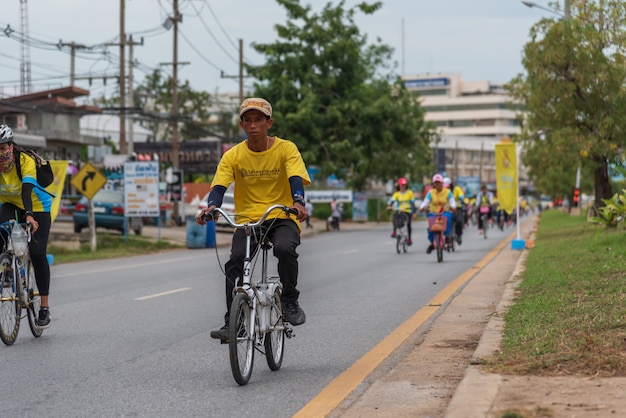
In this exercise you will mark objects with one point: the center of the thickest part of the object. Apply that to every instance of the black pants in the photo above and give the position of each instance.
(285, 237)
(459, 221)
(38, 245)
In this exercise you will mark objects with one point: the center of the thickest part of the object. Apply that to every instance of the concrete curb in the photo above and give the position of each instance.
(477, 391)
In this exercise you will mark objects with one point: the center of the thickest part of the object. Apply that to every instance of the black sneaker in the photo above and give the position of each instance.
(459, 240)
(221, 334)
(430, 249)
(43, 320)
(294, 314)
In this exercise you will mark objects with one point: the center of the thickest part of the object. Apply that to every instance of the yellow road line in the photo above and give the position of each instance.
(332, 395)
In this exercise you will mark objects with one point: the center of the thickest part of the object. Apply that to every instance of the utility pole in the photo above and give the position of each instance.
(122, 82)
(240, 76)
(176, 18)
(131, 97)
(174, 121)
(73, 47)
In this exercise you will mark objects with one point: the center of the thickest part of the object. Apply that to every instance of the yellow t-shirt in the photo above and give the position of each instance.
(457, 192)
(261, 178)
(11, 186)
(404, 200)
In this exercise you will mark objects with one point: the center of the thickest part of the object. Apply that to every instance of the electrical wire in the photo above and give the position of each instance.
(214, 38)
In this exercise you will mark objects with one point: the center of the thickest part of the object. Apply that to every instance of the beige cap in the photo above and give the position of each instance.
(257, 103)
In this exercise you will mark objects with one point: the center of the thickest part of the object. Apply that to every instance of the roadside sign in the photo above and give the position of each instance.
(88, 181)
(141, 189)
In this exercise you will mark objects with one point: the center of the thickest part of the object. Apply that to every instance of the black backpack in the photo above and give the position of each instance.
(45, 175)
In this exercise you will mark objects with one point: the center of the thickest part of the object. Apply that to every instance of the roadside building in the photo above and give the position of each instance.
(471, 118)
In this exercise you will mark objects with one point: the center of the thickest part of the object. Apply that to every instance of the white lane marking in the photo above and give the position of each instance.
(169, 292)
(350, 251)
(152, 263)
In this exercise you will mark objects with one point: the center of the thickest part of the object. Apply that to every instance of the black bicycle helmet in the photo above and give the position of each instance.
(6, 134)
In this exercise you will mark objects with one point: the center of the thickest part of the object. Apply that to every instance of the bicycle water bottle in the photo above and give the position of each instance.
(20, 239)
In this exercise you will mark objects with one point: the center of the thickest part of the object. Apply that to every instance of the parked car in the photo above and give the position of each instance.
(228, 205)
(108, 207)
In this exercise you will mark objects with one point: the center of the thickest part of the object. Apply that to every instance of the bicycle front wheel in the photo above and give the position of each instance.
(10, 308)
(399, 242)
(241, 339)
(34, 301)
(440, 244)
(275, 339)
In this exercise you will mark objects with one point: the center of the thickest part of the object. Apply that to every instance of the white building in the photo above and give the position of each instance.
(471, 118)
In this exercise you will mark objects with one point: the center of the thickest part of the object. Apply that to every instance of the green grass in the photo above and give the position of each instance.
(111, 246)
(569, 317)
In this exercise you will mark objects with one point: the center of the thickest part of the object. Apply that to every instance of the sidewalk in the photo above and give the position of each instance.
(62, 232)
(422, 377)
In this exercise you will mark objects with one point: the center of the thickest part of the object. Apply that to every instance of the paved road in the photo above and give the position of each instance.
(378, 397)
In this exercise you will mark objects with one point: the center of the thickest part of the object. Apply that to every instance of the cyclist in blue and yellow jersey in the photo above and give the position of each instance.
(404, 200)
(460, 215)
(266, 170)
(483, 204)
(439, 201)
(24, 197)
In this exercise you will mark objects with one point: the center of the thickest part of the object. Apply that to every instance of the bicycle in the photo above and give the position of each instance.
(400, 221)
(256, 315)
(18, 286)
(437, 223)
(484, 212)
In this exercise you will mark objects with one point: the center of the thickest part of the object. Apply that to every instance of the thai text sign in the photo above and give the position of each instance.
(141, 189)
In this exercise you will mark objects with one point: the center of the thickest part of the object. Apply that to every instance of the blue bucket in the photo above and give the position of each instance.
(518, 244)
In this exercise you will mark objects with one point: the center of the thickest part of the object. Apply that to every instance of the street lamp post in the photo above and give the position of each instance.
(566, 8)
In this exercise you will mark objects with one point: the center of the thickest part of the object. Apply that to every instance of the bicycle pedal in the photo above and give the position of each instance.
(289, 332)
(224, 341)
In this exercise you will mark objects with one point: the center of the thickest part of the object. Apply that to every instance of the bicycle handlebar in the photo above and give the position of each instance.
(232, 223)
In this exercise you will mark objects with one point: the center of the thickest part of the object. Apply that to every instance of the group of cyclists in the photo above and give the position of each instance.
(449, 200)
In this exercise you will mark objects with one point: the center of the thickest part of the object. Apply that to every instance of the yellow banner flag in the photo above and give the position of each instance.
(56, 188)
(506, 176)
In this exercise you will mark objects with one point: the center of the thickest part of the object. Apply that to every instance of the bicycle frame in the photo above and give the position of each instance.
(256, 312)
(15, 260)
(260, 293)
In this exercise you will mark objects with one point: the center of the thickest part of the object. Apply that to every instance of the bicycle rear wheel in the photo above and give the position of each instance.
(34, 301)
(275, 339)
(485, 226)
(241, 339)
(10, 309)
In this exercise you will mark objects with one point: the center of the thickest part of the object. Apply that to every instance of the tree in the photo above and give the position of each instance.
(574, 96)
(332, 97)
(156, 94)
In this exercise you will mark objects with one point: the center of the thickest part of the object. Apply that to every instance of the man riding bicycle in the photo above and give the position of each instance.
(403, 200)
(266, 170)
(439, 201)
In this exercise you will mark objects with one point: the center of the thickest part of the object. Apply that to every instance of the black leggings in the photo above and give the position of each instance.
(38, 245)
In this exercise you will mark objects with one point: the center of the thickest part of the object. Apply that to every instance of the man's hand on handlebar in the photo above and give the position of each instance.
(302, 212)
(205, 214)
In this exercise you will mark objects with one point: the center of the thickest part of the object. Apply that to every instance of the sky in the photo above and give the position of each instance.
(478, 39)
